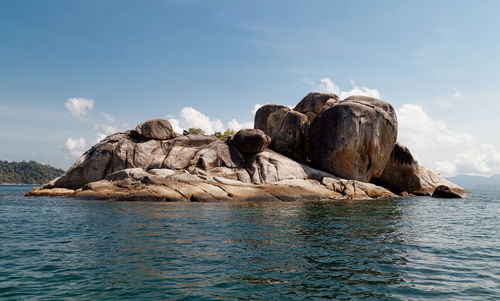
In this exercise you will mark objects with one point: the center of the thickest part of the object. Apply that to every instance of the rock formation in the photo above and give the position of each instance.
(403, 174)
(155, 129)
(251, 141)
(314, 103)
(354, 138)
(349, 143)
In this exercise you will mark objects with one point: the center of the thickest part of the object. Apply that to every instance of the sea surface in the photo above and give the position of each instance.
(398, 249)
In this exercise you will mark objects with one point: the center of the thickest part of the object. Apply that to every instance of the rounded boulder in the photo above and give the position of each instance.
(269, 118)
(251, 141)
(354, 138)
(158, 128)
(314, 102)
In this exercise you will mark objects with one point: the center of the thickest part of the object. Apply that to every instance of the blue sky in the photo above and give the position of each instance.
(208, 63)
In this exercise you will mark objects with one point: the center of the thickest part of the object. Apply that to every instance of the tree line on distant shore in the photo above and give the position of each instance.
(27, 172)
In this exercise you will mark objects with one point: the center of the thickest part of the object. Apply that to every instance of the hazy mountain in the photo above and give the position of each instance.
(476, 182)
(27, 172)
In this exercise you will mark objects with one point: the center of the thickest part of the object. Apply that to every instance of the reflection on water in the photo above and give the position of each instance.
(418, 248)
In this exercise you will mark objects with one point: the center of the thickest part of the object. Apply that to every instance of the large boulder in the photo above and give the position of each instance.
(354, 138)
(402, 173)
(269, 118)
(217, 154)
(291, 139)
(313, 103)
(445, 192)
(156, 129)
(287, 128)
(251, 140)
(430, 181)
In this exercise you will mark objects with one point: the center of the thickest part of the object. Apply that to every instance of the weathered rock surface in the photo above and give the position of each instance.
(269, 118)
(350, 142)
(287, 128)
(443, 191)
(251, 140)
(402, 173)
(291, 139)
(156, 129)
(128, 150)
(204, 169)
(430, 180)
(135, 184)
(314, 103)
(354, 138)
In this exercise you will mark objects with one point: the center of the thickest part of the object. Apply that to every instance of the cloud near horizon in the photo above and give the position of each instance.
(327, 85)
(79, 107)
(75, 147)
(192, 118)
(483, 160)
(417, 130)
(420, 132)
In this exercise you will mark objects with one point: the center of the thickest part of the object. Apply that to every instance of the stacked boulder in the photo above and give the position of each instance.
(354, 138)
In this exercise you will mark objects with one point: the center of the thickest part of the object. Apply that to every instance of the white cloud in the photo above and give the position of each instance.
(79, 107)
(99, 137)
(330, 87)
(176, 125)
(236, 126)
(105, 128)
(482, 160)
(109, 118)
(418, 131)
(75, 147)
(256, 107)
(451, 98)
(108, 127)
(191, 118)
(359, 91)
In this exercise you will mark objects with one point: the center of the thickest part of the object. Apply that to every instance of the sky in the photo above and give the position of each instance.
(72, 72)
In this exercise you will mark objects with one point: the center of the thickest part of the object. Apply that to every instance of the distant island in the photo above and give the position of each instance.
(477, 182)
(30, 172)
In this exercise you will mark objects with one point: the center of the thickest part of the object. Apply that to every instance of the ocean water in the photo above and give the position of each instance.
(397, 249)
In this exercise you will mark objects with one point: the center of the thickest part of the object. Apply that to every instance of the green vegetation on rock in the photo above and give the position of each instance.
(223, 136)
(27, 172)
(196, 131)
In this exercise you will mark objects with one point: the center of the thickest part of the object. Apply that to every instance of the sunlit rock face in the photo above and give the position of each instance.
(155, 129)
(354, 138)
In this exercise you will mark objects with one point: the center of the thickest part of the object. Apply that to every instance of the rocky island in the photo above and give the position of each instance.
(323, 149)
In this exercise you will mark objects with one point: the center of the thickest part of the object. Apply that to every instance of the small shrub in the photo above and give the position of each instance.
(223, 136)
(196, 131)
(226, 133)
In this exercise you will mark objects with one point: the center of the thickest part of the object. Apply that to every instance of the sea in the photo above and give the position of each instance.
(416, 248)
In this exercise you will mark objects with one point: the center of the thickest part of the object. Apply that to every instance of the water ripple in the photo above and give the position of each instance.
(409, 248)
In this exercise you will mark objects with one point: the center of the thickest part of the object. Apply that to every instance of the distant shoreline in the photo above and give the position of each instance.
(16, 184)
